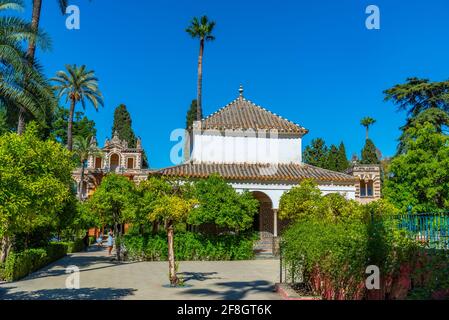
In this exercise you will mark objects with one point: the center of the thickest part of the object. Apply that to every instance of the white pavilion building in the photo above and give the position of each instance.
(259, 151)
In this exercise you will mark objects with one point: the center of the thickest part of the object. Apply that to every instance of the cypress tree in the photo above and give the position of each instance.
(123, 126)
(332, 159)
(191, 114)
(316, 153)
(342, 163)
(369, 153)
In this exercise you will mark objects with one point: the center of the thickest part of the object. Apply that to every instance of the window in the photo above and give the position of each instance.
(130, 164)
(97, 163)
(366, 188)
(362, 188)
(114, 162)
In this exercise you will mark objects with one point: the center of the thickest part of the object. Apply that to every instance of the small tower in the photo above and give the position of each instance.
(368, 185)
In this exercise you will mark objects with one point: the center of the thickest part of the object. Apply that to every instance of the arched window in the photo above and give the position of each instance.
(114, 162)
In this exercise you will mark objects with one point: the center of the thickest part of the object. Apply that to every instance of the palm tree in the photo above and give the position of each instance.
(35, 19)
(201, 28)
(77, 85)
(83, 148)
(367, 122)
(35, 95)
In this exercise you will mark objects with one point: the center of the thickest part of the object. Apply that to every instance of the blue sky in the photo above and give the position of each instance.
(312, 62)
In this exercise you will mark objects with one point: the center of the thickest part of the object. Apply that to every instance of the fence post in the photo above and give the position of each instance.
(280, 262)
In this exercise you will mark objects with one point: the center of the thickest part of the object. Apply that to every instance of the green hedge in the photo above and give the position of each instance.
(21, 264)
(190, 246)
(74, 246)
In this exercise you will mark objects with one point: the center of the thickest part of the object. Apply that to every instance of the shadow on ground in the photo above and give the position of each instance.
(198, 276)
(234, 290)
(67, 294)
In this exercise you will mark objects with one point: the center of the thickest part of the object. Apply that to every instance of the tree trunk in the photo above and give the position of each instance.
(367, 129)
(82, 181)
(35, 18)
(199, 106)
(37, 4)
(21, 122)
(5, 248)
(117, 243)
(155, 228)
(171, 255)
(70, 125)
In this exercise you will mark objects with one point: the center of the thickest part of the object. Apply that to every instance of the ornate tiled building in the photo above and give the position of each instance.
(116, 157)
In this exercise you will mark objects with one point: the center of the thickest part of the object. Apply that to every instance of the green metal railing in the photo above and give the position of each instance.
(431, 229)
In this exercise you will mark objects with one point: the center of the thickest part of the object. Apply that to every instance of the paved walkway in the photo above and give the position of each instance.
(101, 278)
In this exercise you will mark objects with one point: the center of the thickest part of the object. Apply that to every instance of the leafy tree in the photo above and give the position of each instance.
(23, 87)
(201, 28)
(420, 176)
(367, 122)
(369, 153)
(149, 191)
(436, 117)
(35, 183)
(221, 205)
(417, 95)
(301, 201)
(82, 126)
(114, 202)
(316, 153)
(78, 85)
(168, 204)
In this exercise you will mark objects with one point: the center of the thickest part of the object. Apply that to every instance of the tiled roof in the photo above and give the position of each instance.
(244, 114)
(256, 172)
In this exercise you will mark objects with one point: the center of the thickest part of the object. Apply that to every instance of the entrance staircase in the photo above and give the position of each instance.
(263, 248)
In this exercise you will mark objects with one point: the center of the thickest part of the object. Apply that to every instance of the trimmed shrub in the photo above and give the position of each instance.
(190, 246)
(21, 264)
(74, 246)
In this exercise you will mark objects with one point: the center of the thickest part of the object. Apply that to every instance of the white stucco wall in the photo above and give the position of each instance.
(275, 191)
(246, 148)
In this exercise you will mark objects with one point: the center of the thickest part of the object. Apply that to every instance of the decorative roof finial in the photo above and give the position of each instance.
(241, 90)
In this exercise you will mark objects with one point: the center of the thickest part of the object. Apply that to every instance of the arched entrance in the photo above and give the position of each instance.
(264, 221)
(114, 161)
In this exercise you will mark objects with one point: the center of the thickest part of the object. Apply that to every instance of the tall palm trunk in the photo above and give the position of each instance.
(199, 106)
(83, 167)
(35, 18)
(171, 254)
(70, 125)
(367, 131)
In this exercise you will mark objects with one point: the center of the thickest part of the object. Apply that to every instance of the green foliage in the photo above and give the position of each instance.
(337, 252)
(191, 246)
(191, 115)
(82, 126)
(417, 95)
(123, 126)
(23, 85)
(322, 156)
(3, 124)
(369, 153)
(316, 153)
(420, 177)
(301, 201)
(221, 205)
(19, 265)
(35, 182)
(114, 200)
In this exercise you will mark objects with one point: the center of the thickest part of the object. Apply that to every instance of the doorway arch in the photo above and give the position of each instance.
(264, 221)
(114, 161)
